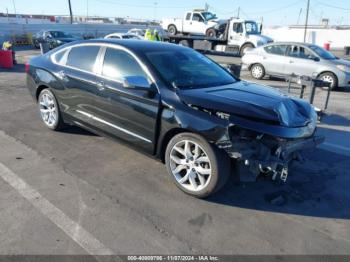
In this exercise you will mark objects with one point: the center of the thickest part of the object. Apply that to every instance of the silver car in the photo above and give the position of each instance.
(284, 59)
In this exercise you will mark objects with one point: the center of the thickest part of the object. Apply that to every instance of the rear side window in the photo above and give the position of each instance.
(276, 49)
(60, 57)
(188, 16)
(83, 57)
(118, 64)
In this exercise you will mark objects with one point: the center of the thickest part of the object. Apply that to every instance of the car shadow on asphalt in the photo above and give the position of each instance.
(335, 120)
(319, 187)
(75, 130)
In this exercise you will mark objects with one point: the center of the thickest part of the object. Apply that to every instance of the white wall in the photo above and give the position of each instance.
(24, 20)
(337, 38)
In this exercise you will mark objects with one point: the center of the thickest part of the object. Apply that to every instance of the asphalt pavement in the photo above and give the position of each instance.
(73, 192)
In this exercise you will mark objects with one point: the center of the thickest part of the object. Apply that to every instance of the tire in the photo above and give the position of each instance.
(172, 29)
(257, 71)
(211, 32)
(200, 173)
(36, 44)
(329, 77)
(49, 110)
(244, 48)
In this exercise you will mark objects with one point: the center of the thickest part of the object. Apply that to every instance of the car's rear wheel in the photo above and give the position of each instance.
(330, 78)
(197, 168)
(49, 110)
(257, 71)
(172, 30)
(211, 32)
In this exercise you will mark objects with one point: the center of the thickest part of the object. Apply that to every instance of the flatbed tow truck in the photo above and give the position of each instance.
(232, 37)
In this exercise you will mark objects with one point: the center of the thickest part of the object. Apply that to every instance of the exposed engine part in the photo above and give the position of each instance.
(258, 154)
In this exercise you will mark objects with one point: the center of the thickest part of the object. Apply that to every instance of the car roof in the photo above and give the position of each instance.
(291, 43)
(133, 45)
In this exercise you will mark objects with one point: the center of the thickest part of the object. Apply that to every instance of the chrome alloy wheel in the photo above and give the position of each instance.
(48, 108)
(190, 165)
(328, 79)
(257, 71)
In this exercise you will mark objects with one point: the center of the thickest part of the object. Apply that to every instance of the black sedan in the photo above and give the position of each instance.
(175, 104)
(52, 38)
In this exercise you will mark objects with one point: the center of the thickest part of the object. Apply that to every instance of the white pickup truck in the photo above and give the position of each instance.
(196, 22)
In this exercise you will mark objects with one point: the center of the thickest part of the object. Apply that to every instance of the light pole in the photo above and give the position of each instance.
(306, 19)
(70, 12)
(87, 9)
(155, 11)
(14, 6)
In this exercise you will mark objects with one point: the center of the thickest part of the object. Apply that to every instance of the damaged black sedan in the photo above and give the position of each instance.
(176, 104)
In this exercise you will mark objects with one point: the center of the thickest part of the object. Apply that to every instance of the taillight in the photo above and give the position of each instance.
(27, 67)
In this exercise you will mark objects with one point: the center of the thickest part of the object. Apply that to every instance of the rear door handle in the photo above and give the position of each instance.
(291, 62)
(100, 85)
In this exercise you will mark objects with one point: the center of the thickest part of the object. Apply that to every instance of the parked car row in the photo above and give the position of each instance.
(54, 38)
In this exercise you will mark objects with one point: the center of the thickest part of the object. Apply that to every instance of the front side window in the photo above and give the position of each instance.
(299, 52)
(118, 64)
(83, 57)
(237, 27)
(276, 49)
(197, 17)
(188, 69)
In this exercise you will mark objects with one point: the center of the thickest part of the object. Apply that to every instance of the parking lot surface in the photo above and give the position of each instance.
(73, 192)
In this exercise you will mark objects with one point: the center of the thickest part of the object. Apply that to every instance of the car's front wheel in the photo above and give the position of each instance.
(257, 71)
(330, 78)
(196, 167)
(49, 110)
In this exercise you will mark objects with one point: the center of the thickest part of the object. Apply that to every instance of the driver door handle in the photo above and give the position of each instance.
(291, 62)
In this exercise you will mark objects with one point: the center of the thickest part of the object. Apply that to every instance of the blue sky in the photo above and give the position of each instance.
(273, 12)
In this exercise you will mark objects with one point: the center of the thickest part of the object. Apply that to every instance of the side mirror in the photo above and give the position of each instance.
(136, 82)
(316, 59)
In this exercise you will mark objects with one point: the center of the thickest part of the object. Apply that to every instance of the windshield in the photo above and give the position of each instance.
(59, 34)
(322, 52)
(252, 28)
(208, 16)
(188, 69)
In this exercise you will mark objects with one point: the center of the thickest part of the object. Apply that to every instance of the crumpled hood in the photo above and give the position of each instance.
(252, 101)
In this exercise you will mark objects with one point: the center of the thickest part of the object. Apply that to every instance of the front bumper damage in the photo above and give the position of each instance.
(260, 154)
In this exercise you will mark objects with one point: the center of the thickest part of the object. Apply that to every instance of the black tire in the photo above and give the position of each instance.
(257, 71)
(172, 30)
(211, 32)
(36, 44)
(244, 47)
(329, 75)
(219, 165)
(58, 123)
